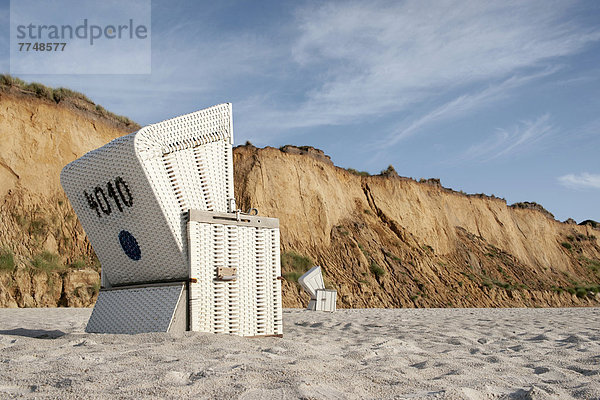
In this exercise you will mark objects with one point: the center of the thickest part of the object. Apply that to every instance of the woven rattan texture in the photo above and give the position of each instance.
(249, 305)
(137, 310)
(141, 185)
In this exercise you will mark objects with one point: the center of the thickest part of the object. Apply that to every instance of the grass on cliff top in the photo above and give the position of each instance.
(294, 265)
(7, 260)
(389, 171)
(356, 172)
(60, 94)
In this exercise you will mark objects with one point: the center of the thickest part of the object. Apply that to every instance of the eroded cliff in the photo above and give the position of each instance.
(387, 241)
(45, 258)
(383, 241)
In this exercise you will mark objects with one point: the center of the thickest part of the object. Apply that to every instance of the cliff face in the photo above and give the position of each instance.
(45, 258)
(383, 241)
(386, 241)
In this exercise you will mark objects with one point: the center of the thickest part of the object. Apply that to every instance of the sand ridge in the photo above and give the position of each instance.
(361, 353)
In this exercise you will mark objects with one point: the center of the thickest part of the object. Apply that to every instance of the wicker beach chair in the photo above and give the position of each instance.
(321, 299)
(158, 207)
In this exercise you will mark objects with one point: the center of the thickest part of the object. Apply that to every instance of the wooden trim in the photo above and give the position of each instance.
(255, 221)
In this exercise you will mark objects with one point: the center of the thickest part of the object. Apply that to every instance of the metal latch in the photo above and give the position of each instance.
(226, 273)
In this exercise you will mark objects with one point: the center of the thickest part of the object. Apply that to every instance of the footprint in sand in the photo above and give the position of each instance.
(538, 338)
(420, 365)
(177, 378)
(198, 375)
(553, 377)
(63, 383)
(492, 359)
(573, 339)
(534, 393)
(454, 341)
(84, 342)
(583, 371)
(540, 370)
(274, 350)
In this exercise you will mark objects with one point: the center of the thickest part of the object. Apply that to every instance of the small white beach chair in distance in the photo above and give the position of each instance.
(321, 299)
(158, 207)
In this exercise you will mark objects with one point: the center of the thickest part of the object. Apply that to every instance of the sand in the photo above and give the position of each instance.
(374, 353)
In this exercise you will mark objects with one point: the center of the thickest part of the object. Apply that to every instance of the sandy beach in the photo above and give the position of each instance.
(365, 353)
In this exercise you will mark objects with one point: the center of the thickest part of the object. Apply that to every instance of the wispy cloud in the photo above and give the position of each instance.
(461, 105)
(507, 142)
(582, 181)
(395, 57)
(388, 56)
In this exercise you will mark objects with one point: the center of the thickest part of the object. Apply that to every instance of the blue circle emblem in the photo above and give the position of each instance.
(130, 245)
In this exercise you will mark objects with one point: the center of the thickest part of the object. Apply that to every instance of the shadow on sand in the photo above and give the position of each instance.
(34, 333)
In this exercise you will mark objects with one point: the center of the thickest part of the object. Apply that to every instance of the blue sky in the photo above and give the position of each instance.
(495, 97)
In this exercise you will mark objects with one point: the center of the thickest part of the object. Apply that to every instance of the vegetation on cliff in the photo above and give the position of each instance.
(64, 96)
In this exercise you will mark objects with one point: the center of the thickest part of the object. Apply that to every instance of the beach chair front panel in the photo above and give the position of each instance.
(246, 302)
